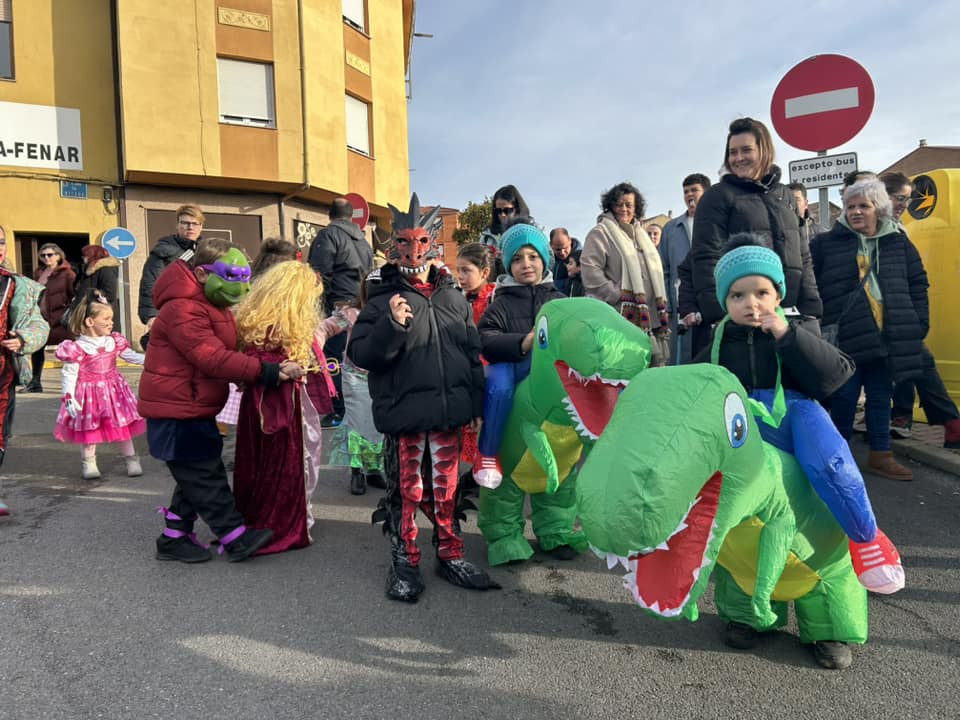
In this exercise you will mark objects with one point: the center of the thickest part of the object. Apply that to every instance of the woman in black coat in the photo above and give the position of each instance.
(751, 198)
(874, 289)
(100, 272)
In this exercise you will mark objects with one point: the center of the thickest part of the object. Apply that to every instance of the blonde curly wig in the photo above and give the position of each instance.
(282, 311)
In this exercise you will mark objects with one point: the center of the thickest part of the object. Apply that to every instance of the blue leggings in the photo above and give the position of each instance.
(501, 380)
(810, 436)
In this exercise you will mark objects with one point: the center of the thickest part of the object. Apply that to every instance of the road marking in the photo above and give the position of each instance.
(842, 99)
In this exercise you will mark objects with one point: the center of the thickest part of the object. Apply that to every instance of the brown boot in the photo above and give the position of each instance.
(881, 462)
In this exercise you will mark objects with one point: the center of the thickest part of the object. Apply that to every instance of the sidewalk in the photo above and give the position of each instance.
(926, 446)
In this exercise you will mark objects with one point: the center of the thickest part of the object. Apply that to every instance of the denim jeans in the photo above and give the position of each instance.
(874, 378)
(934, 398)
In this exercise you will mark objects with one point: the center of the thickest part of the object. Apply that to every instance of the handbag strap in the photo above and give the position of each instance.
(853, 295)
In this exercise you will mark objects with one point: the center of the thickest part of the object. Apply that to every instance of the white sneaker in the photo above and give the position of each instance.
(133, 466)
(487, 473)
(89, 470)
(860, 425)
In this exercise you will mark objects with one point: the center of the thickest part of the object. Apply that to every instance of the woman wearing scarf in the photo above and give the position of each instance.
(621, 266)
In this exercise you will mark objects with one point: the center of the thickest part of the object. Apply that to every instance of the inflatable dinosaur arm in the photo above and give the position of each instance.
(775, 539)
(538, 444)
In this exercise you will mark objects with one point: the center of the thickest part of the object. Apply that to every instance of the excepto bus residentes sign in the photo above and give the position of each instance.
(823, 170)
(40, 136)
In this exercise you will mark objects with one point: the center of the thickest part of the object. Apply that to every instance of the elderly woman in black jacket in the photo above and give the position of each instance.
(751, 198)
(874, 290)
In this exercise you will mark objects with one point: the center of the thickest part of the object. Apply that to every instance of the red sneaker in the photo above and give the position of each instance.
(951, 434)
(877, 564)
(487, 472)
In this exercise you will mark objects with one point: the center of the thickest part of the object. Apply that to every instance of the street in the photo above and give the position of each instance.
(94, 627)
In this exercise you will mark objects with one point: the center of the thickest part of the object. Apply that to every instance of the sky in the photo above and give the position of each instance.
(566, 98)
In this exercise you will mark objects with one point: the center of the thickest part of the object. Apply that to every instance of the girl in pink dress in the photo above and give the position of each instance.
(98, 405)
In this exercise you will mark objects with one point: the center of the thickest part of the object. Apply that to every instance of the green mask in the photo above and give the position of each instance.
(228, 279)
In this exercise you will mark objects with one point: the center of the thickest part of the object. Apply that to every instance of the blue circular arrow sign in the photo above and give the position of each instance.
(119, 242)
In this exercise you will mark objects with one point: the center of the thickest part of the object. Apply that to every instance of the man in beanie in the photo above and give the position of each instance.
(506, 336)
(784, 365)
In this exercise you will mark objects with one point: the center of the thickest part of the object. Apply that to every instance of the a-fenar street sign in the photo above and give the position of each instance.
(823, 170)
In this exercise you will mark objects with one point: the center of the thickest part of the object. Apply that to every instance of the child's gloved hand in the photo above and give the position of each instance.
(71, 406)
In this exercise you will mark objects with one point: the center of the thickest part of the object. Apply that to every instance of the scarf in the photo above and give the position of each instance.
(641, 278)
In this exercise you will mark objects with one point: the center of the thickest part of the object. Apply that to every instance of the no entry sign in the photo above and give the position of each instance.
(361, 210)
(822, 102)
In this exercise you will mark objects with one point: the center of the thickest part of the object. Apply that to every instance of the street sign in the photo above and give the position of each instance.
(822, 102)
(75, 190)
(823, 170)
(119, 242)
(361, 210)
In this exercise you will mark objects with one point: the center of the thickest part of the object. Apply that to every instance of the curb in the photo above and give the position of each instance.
(940, 458)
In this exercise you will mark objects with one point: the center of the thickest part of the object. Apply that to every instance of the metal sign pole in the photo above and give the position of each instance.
(824, 203)
(121, 293)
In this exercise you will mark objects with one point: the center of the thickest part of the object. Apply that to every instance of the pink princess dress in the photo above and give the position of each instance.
(108, 408)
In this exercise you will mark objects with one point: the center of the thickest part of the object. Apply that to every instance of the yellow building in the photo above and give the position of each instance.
(115, 112)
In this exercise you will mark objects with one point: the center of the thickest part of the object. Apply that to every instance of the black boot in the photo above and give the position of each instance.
(465, 574)
(375, 480)
(403, 581)
(358, 483)
(247, 544)
(182, 548)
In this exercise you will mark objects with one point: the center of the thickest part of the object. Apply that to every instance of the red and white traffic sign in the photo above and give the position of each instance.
(822, 102)
(361, 210)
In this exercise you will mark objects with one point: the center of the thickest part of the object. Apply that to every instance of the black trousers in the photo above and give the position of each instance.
(202, 489)
(36, 364)
(934, 398)
(336, 348)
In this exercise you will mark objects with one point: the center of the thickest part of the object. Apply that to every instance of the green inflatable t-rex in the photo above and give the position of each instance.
(583, 356)
(681, 486)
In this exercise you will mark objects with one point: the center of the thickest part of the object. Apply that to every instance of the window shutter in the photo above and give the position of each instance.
(246, 91)
(6, 10)
(358, 125)
(353, 11)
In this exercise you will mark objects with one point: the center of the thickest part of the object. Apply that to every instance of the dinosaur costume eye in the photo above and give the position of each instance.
(542, 334)
(735, 419)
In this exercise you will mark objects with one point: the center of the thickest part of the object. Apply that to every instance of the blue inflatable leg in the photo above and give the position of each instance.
(808, 433)
(497, 403)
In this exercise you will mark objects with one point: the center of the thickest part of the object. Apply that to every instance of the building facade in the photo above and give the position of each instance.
(115, 112)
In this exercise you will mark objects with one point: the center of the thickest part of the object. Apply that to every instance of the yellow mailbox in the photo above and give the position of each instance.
(932, 221)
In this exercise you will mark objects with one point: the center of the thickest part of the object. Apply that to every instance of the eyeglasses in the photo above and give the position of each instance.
(504, 211)
(48, 254)
(187, 223)
(901, 198)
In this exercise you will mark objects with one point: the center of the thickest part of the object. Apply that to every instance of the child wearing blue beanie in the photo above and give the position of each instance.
(506, 337)
(786, 368)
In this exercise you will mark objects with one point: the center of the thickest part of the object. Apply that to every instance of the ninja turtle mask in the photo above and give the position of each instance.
(228, 279)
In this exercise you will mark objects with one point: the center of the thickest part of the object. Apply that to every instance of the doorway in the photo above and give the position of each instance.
(28, 244)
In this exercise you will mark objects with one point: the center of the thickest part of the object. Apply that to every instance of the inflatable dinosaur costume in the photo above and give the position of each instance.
(583, 356)
(681, 486)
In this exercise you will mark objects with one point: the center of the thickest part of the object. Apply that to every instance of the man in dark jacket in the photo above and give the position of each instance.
(342, 255)
(179, 246)
(562, 246)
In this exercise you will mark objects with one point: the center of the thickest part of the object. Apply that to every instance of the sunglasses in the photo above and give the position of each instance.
(48, 255)
(504, 211)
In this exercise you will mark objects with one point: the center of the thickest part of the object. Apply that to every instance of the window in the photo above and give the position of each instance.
(246, 93)
(6, 39)
(354, 14)
(358, 125)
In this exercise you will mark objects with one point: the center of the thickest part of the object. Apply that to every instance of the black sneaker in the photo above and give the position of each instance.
(832, 655)
(358, 483)
(182, 549)
(563, 552)
(331, 421)
(247, 544)
(901, 427)
(741, 636)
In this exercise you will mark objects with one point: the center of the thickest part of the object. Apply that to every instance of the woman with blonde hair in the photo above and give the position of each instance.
(278, 429)
(56, 275)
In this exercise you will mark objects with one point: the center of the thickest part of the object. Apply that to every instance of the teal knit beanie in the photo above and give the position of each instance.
(522, 234)
(748, 260)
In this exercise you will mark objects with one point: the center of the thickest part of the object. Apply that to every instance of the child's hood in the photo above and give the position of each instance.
(177, 282)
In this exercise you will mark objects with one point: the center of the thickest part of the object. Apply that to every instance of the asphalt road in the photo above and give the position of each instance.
(92, 626)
